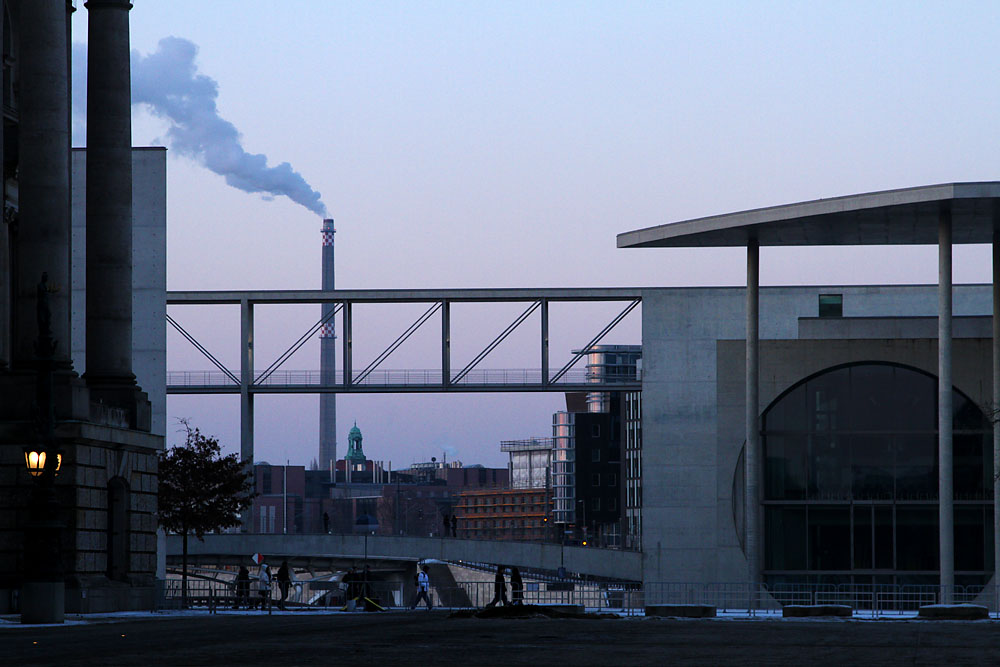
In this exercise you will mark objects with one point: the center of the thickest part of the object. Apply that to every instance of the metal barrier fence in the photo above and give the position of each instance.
(869, 599)
(218, 594)
(878, 600)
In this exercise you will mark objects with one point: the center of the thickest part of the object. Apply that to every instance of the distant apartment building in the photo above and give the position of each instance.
(505, 514)
(591, 454)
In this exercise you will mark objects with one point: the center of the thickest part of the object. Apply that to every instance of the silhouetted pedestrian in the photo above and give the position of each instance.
(454, 526)
(499, 589)
(326, 523)
(423, 586)
(242, 588)
(283, 582)
(516, 587)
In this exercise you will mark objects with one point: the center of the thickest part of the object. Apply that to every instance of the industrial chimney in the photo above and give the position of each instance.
(328, 359)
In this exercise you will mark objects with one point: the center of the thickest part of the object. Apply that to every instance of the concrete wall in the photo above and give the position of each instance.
(693, 400)
(149, 273)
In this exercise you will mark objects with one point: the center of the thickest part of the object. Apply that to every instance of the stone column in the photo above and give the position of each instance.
(109, 197)
(43, 241)
(246, 399)
(945, 476)
(752, 500)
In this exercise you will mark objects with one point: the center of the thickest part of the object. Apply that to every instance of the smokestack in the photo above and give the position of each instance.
(328, 356)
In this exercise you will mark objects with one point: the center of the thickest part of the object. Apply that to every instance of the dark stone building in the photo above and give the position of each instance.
(83, 537)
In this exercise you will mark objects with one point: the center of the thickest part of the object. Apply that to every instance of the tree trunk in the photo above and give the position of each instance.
(184, 570)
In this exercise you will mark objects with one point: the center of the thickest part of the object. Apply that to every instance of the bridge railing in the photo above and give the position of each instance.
(389, 377)
(731, 598)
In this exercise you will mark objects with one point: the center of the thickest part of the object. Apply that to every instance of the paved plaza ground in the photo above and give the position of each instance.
(421, 638)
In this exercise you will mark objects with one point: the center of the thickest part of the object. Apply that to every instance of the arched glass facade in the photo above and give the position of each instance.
(851, 480)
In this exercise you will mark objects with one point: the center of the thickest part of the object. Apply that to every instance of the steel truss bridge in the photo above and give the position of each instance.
(248, 381)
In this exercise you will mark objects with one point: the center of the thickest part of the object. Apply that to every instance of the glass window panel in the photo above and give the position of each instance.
(831, 305)
(872, 398)
(916, 401)
(863, 558)
(916, 538)
(967, 459)
(884, 539)
(829, 468)
(988, 537)
(829, 538)
(785, 471)
(970, 538)
(785, 528)
(916, 467)
(827, 396)
(872, 467)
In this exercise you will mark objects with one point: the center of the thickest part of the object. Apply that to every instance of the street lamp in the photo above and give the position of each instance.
(34, 460)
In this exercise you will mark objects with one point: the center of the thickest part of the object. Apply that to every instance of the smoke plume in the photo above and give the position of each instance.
(168, 83)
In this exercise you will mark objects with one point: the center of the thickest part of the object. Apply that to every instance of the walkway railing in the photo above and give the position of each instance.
(390, 377)
(731, 598)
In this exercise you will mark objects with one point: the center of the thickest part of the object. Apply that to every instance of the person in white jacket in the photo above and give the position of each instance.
(423, 588)
(264, 586)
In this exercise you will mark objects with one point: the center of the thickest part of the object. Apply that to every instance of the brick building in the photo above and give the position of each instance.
(505, 514)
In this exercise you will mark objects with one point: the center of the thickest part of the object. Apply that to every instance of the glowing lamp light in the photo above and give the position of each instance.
(35, 461)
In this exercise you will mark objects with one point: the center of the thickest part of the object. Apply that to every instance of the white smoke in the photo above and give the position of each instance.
(167, 82)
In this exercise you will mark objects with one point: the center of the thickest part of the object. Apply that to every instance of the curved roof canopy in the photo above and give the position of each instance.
(893, 217)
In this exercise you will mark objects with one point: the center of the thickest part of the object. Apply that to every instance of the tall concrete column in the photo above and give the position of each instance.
(945, 471)
(995, 416)
(246, 399)
(752, 500)
(43, 242)
(445, 343)
(109, 196)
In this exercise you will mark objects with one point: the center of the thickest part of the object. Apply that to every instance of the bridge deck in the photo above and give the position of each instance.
(397, 380)
(611, 563)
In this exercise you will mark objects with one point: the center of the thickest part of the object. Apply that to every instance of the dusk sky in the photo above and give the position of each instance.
(505, 144)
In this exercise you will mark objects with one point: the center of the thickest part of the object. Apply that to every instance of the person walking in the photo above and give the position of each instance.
(423, 586)
(499, 589)
(242, 588)
(284, 581)
(516, 587)
(264, 587)
(454, 526)
(326, 522)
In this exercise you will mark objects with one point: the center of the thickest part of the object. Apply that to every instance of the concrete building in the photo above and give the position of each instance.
(824, 434)
(529, 462)
(82, 345)
(631, 473)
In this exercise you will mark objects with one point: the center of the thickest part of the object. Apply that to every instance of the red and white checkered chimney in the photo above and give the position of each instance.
(328, 357)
